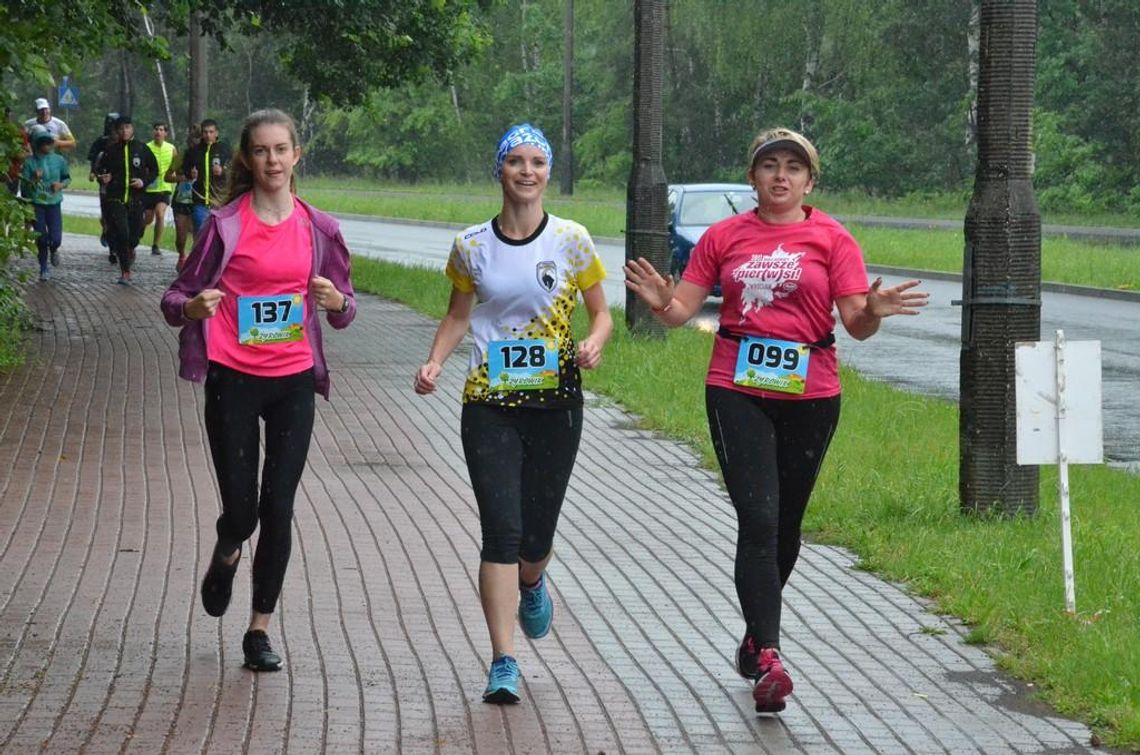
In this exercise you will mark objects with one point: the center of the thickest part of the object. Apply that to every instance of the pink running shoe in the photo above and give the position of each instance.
(773, 685)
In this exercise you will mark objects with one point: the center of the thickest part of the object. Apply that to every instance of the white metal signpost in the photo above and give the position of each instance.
(1059, 420)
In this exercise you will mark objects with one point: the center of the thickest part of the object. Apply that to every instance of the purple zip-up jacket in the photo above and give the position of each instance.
(203, 269)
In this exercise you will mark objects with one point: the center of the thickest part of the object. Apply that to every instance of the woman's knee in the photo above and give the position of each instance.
(501, 545)
(237, 526)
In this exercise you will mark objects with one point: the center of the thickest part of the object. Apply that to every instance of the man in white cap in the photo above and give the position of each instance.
(57, 128)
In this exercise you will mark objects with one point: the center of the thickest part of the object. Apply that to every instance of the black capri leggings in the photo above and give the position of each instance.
(519, 460)
(770, 452)
(235, 401)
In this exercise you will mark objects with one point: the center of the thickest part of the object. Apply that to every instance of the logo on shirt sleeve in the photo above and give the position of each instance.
(547, 274)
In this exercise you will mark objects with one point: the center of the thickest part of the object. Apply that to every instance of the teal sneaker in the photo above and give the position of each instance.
(502, 681)
(536, 609)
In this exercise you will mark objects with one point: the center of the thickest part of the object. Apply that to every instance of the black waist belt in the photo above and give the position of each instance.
(822, 343)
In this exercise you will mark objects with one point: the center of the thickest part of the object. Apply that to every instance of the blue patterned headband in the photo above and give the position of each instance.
(523, 133)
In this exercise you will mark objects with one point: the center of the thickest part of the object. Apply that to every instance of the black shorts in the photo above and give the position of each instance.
(182, 209)
(153, 198)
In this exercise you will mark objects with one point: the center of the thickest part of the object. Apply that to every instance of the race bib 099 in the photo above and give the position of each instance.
(772, 365)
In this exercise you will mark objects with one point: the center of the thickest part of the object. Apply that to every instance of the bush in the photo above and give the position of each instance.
(15, 242)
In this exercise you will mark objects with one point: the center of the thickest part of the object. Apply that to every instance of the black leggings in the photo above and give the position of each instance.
(770, 452)
(124, 228)
(520, 460)
(235, 401)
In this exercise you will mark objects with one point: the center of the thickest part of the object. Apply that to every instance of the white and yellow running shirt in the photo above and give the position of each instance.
(526, 291)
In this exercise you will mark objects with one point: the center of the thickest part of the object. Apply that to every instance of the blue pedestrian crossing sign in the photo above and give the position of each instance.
(68, 94)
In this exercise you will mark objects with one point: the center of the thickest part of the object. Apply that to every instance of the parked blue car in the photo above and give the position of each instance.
(693, 208)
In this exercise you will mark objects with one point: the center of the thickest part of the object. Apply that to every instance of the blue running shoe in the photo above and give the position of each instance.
(502, 681)
(536, 609)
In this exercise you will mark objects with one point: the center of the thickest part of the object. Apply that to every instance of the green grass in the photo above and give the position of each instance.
(1063, 260)
(11, 345)
(1002, 576)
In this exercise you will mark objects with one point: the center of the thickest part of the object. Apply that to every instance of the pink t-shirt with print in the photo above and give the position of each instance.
(779, 281)
(268, 260)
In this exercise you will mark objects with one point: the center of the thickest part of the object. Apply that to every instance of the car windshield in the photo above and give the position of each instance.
(707, 207)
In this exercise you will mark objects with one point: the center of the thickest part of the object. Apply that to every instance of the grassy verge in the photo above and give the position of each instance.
(1003, 577)
(1063, 260)
(11, 344)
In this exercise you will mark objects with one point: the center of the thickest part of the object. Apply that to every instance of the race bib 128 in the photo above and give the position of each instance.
(522, 365)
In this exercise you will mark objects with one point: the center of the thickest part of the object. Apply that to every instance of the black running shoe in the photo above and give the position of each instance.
(748, 658)
(112, 258)
(218, 584)
(259, 655)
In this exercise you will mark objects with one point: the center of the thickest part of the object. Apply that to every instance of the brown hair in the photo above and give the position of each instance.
(241, 177)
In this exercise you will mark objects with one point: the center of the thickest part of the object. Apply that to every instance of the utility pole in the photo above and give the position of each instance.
(1001, 283)
(568, 98)
(646, 225)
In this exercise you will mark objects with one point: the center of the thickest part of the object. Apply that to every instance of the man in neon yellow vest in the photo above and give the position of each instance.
(157, 196)
(206, 165)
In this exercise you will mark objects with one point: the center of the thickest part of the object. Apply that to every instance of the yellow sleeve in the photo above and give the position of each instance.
(457, 269)
(588, 267)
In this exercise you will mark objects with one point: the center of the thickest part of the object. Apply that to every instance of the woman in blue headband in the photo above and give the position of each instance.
(515, 283)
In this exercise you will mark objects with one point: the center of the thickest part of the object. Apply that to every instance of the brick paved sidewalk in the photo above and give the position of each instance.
(107, 503)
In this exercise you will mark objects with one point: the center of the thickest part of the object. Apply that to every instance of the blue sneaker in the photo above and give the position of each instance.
(536, 609)
(502, 681)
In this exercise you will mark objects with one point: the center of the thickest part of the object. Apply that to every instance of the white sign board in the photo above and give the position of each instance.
(1037, 382)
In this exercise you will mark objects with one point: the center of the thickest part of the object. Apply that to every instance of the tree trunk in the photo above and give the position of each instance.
(813, 34)
(973, 35)
(308, 115)
(567, 162)
(161, 83)
(455, 102)
(1001, 283)
(126, 84)
(523, 53)
(647, 215)
(198, 71)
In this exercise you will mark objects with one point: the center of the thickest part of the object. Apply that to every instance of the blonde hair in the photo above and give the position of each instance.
(772, 139)
(241, 177)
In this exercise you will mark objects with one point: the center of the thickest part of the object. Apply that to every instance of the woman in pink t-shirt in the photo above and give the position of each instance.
(772, 391)
(247, 301)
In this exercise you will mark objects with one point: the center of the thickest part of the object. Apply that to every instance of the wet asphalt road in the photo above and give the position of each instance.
(916, 353)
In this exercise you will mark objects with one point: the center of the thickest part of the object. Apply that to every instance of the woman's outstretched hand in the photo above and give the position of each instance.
(643, 280)
(896, 300)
